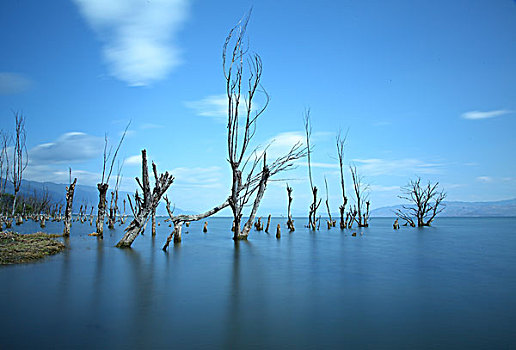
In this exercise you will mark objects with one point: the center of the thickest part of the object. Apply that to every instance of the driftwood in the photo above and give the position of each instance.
(68, 211)
(144, 206)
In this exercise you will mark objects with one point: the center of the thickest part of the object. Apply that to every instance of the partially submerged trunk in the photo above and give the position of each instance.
(144, 207)
(102, 187)
(290, 222)
(268, 224)
(68, 211)
(153, 222)
(179, 220)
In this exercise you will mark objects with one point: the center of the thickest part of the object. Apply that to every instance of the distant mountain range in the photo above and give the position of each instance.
(462, 209)
(88, 195)
(84, 195)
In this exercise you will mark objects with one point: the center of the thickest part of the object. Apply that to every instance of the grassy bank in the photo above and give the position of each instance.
(16, 248)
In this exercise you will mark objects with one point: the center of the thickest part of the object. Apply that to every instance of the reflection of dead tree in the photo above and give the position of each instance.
(340, 153)
(426, 203)
(290, 222)
(104, 183)
(234, 55)
(69, 202)
(361, 198)
(143, 206)
(20, 157)
(312, 221)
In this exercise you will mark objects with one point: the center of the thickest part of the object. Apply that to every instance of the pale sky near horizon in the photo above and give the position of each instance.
(424, 88)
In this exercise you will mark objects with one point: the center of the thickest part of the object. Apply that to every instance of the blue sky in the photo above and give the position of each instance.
(424, 87)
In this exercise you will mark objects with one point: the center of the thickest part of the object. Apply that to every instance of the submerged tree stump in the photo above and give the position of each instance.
(68, 211)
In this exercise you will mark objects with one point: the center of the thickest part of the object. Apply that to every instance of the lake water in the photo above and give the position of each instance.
(448, 286)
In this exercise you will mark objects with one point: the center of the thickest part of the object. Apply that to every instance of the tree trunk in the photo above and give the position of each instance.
(68, 211)
(268, 223)
(101, 208)
(153, 217)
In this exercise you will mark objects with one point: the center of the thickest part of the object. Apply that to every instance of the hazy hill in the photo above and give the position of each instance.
(459, 209)
(84, 195)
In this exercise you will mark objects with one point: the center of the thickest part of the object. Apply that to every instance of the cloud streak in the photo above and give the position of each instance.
(474, 115)
(138, 36)
(71, 147)
(399, 167)
(13, 83)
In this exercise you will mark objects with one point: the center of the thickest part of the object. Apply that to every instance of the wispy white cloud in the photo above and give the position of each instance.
(399, 167)
(485, 179)
(282, 143)
(138, 36)
(133, 160)
(197, 176)
(380, 188)
(13, 83)
(211, 106)
(486, 114)
(216, 107)
(71, 147)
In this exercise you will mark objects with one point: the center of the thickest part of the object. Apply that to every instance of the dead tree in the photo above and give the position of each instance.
(113, 207)
(268, 224)
(20, 157)
(340, 141)
(144, 206)
(235, 55)
(104, 183)
(331, 222)
(426, 203)
(68, 211)
(360, 189)
(312, 218)
(290, 222)
(5, 142)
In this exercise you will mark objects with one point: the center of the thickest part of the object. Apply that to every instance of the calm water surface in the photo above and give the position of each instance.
(448, 286)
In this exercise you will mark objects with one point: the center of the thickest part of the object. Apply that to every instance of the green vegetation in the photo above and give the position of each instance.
(16, 248)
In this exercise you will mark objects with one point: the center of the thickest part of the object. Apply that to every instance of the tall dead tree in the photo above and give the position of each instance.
(290, 222)
(104, 183)
(235, 55)
(312, 218)
(145, 205)
(426, 203)
(69, 202)
(4, 160)
(113, 206)
(20, 156)
(360, 189)
(340, 141)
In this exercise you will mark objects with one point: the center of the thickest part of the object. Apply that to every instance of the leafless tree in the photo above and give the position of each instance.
(5, 141)
(144, 206)
(340, 141)
(20, 157)
(312, 218)
(360, 189)
(426, 202)
(104, 183)
(235, 57)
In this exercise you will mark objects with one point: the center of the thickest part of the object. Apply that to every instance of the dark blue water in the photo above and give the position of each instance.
(448, 286)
